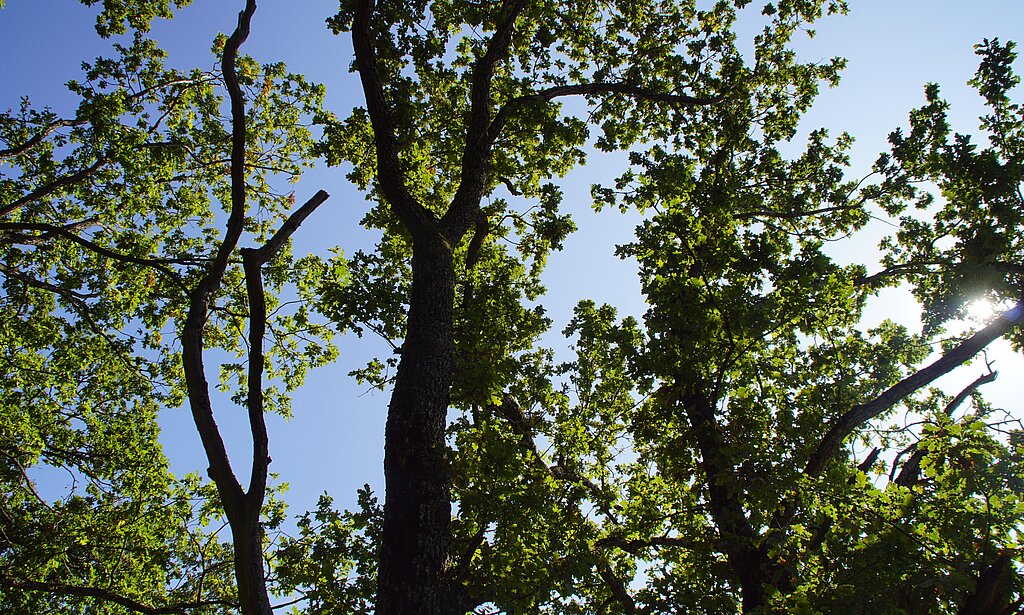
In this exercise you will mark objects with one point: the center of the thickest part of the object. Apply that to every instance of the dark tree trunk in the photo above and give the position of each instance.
(412, 578)
(748, 561)
(247, 535)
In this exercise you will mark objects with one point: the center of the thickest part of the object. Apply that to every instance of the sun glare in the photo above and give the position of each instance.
(982, 310)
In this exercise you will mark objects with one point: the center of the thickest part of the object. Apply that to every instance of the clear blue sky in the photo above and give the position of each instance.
(335, 440)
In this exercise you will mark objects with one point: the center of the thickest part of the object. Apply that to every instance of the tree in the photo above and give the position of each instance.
(446, 134)
(110, 243)
(696, 461)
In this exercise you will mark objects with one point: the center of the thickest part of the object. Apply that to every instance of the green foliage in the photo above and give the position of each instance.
(666, 464)
(965, 244)
(120, 15)
(106, 220)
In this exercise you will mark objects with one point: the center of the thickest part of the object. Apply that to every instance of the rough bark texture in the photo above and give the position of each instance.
(417, 511)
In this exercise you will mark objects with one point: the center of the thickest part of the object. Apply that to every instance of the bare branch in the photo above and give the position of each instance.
(625, 89)
(254, 377)
(290, 225)
(231, 492)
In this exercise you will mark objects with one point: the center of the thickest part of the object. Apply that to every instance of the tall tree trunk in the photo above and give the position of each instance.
(247, 535)
(412, 577)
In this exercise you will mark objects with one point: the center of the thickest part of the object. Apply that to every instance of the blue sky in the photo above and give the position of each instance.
(335, 440)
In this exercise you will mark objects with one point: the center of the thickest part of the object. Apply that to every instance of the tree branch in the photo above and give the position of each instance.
(860, 414)
(900, 269)
(291, 224)
(909, 473)
(231, 492)
(66, 232)
(417, 219)
(55, 185)
(627, 89)
(476, 156)
(252, 264)
(635, 546)
(61, 589)
(617, 587)
(36, 139)
(254, 377)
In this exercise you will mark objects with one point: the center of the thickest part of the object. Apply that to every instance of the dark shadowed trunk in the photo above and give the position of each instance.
(747, 560)
(412, 575)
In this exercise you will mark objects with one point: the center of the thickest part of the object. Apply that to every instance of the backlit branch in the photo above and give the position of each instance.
(909, 473)
(955, 357)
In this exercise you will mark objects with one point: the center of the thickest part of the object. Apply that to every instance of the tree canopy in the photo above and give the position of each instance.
(746, 444)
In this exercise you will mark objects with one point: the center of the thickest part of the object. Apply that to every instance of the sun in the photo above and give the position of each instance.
(982, 309)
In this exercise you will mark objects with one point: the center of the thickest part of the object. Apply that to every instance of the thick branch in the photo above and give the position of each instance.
(909, 473)
(252, 263)
(231, 492)
(48, 189)
(955, 357)
(275, 243)
(254, 397)
(477, 153)
(625, 89)
(390, 177)
(98, 593)
(617, 587)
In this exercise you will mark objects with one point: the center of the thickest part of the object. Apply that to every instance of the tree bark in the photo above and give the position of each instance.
(412, 577)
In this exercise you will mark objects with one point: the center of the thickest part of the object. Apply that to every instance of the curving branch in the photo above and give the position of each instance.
(252, 264)
(390, 176)
(955, 357)
(61, 589)
(584, 89)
